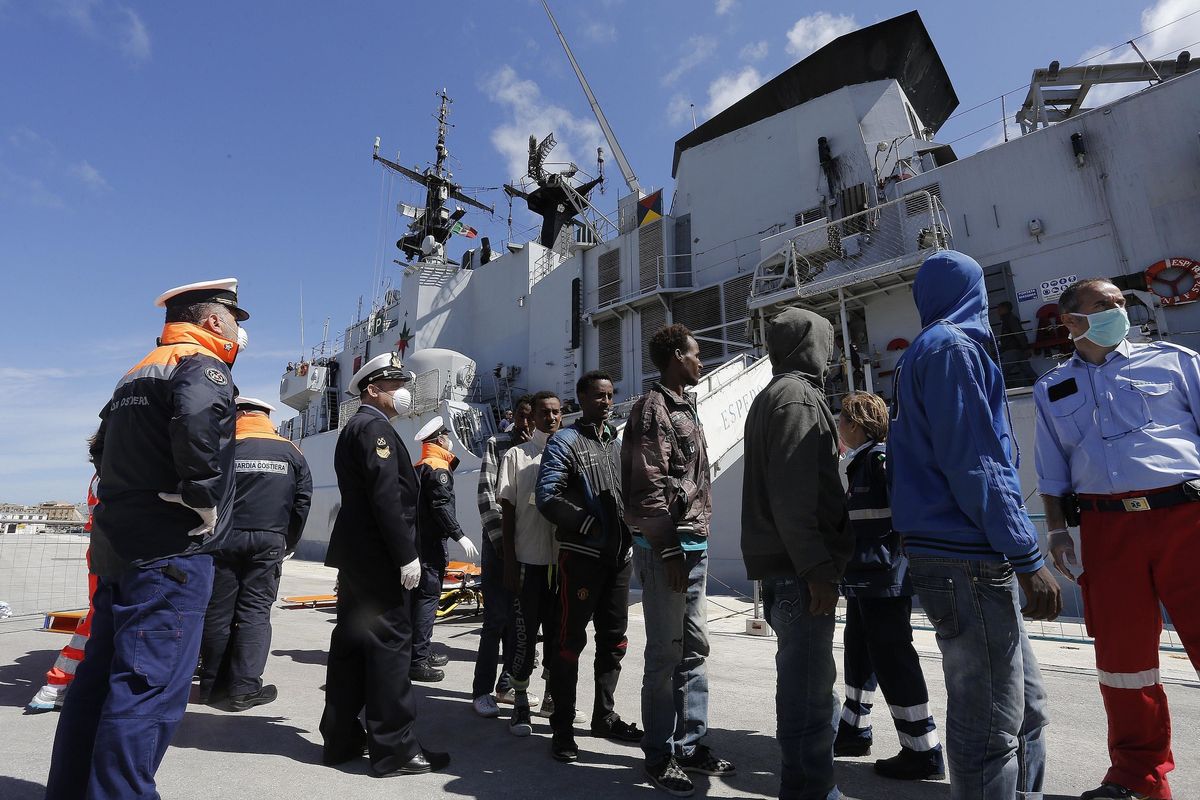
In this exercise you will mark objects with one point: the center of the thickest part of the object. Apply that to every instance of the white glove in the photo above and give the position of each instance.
(410, 574)
(208, 516)
(469, 548)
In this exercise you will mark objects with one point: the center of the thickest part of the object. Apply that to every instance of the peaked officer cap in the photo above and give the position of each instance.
(384, 367)
(223, 291)
(430, 429)
(252, 404)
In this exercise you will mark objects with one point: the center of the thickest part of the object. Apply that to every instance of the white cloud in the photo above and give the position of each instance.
(109, 22)
(727, 89)
(696, 50)
(602, 32)
(725, 6)
(1165, 43)
(90, 176)
(679, 110)
(817, 30)
(755, 51)
(529, 113)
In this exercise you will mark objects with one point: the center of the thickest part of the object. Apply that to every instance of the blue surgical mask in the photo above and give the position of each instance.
(1107, 328)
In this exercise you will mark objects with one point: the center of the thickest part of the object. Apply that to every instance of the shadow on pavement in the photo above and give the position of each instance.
(318, 657)
(17, 789)
(244, 733)
(23, 677)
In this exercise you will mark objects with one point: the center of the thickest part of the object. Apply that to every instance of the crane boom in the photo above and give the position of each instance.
(626, 170)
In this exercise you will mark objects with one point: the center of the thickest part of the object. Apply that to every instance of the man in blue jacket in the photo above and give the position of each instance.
(957, 503)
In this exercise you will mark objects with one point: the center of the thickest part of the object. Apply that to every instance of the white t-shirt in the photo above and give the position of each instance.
(517, 484)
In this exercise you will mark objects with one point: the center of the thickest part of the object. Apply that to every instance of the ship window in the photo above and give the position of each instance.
(917, 203)
(608, 276)
(811, 215)
(609, 334)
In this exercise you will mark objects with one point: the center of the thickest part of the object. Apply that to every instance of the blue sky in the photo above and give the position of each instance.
(149, 144)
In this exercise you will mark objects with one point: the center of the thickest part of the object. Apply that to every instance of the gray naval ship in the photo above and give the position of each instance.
(824, 188)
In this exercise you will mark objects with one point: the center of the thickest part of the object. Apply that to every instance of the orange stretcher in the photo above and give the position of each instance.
(63, 621)
(461, 585)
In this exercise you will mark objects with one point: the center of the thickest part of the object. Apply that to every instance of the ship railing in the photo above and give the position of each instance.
(871, 247)
(671, 274)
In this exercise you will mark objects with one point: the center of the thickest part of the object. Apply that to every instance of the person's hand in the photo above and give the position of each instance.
(677, 574)
(1043, 600)
(824, 597)
(512, 574)
(410, 574)
(208, 516)
(1062, 551)
(469, 548)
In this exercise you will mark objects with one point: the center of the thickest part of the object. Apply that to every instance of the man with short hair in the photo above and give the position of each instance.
(436, 524)
(530, 571)
(497, 601)
(664, 467)
(579, 490)
(374, 547)
(1118, 432)
(796, 541)
(164, 453)
(274, 491)
(957, 504)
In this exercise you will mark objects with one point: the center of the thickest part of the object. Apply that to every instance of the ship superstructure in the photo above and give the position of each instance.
(825, 188)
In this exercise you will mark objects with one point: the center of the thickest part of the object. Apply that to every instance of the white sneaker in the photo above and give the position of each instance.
(48, 698)
(485, 706)
(508, 698)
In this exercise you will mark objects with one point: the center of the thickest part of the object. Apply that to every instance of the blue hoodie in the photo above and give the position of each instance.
(955, 492)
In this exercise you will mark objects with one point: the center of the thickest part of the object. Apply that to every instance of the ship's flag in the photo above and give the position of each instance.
(649, 208)
(463, 229)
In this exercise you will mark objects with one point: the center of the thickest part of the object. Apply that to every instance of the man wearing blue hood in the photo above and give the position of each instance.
(796, 540)
(957, 503)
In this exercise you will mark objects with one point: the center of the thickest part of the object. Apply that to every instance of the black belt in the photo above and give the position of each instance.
(1177, 495)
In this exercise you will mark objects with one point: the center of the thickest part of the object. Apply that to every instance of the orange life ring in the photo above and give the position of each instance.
(1177, 270)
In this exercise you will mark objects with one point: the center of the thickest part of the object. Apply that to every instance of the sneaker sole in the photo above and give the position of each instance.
(673, 792)
(716, 773)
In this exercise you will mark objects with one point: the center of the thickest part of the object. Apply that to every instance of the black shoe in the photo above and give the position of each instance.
(438, 660)
(668, 776)
(1106, 791)
(242, 702)
(563, 747)
(848, 745)
(618, 730)
(520, 724)
(424, 673)
(911, 765)
(422, 762)
(703, 762)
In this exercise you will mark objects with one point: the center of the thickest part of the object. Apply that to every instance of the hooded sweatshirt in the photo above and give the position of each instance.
(955, 492)
(793, 503)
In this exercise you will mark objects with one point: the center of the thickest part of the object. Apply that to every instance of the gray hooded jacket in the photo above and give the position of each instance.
(793, 504)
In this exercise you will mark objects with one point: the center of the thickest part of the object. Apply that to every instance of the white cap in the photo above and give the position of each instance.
(427, 431)
(384, 367)
(252, 404)
(222, 290)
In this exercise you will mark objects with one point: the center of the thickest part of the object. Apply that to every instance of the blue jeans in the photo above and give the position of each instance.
(131, 689)
(497, 608)
(675, 683)
(806, 707)
(996, 699)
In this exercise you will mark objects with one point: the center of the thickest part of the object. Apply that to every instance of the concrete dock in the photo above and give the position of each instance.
(274, 750)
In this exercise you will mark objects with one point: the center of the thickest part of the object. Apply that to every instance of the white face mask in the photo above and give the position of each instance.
(402, 400)
(243, 339)
(449, 444)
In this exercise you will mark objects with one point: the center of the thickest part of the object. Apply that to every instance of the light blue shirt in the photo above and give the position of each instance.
(1129, 424)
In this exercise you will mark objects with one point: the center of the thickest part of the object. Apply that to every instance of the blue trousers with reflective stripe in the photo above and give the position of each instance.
(879, 653)
(131, 689)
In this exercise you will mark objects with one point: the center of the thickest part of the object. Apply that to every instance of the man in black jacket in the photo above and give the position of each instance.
(579, 490)
(374, 547)
(274, 490)
(796, 541)
(164, 452)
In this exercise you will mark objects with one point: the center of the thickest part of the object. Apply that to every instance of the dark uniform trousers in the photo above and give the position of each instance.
(596, 592)
(533, 609)
(369, 656)
(131, 688)
(245, 584)
(424, 610)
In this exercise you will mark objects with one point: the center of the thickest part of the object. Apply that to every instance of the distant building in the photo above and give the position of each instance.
(41, 518)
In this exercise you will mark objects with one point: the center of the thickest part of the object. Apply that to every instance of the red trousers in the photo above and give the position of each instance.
(63, 671)
(1132, 562)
